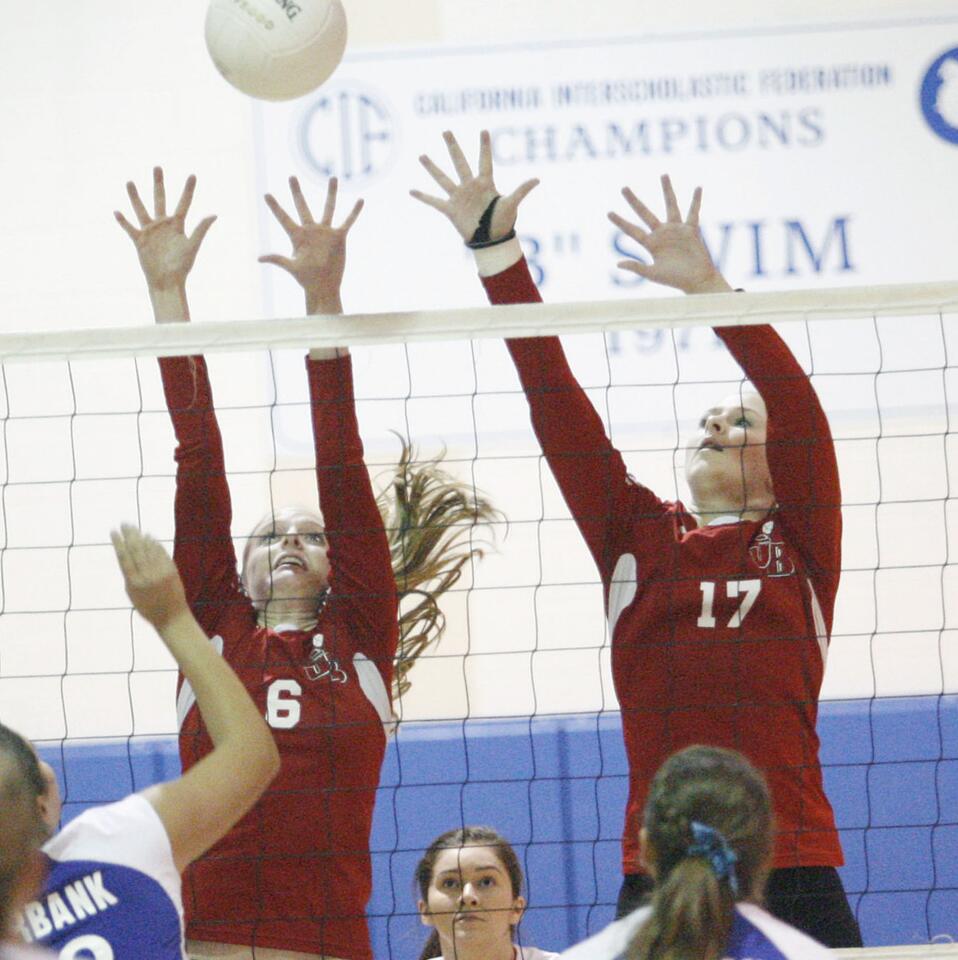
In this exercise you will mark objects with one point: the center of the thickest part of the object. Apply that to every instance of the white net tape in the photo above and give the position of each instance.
(87, 444)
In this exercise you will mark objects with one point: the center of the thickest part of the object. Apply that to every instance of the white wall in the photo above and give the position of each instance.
(97, 94)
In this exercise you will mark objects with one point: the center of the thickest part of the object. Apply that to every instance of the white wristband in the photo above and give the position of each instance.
(498, 258)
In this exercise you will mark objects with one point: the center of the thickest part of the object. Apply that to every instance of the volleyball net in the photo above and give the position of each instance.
(511, 718)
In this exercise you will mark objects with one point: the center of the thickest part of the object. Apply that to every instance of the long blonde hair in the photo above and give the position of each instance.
(430, 519)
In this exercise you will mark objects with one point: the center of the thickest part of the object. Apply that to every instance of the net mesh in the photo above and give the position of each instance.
(511, 719)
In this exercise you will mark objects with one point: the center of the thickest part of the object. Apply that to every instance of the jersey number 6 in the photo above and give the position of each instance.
(282, 707)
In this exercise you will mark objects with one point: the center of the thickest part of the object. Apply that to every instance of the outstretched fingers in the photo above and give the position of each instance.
(694, 207)
(629, 229)
(437, 174)
(302, 207)
(159, 193)
(139, 207)
(459, 161)
(202, 228)
(351, 218)
(332, 190)
(127, 542)
(441, 205)
(641, 210)
(522, 191)
(119, 547)
(285, 220)
(186, 198)
(128, 227)
(673, 214)
(485, 154)
(636, 266)
(277, 260)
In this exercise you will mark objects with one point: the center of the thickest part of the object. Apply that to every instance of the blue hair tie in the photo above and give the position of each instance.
(709, 843)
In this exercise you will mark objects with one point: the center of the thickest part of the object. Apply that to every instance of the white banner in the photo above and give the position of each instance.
(827, 155)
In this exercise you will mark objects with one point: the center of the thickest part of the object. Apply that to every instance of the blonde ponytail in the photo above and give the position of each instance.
(430, 519)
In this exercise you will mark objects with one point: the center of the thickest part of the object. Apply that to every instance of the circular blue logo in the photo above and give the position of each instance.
(939, 96)
(348, 131)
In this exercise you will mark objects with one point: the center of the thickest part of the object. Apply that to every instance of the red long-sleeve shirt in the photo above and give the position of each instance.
(295, 872)
(719, 633)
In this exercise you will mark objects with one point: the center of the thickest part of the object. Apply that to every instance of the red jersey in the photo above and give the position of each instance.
(295, 872)
(719, 633)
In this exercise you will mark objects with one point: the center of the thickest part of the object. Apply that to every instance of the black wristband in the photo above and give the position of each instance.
(474, 245)
(480, 237)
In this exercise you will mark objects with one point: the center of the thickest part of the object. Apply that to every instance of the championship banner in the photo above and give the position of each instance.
(827, 157)
(827, 154)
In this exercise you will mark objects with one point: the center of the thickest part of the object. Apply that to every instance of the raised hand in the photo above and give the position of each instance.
(679, 255)
(151, 579)
(165, 250)
(319, 249)
(467, 200)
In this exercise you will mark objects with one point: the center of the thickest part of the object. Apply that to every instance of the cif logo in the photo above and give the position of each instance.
(347, 132)
(939, 96)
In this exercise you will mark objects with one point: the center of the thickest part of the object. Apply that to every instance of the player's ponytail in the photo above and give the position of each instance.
(708, 825)
(430, 519)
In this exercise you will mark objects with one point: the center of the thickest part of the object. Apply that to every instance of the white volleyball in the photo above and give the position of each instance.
(276, 49)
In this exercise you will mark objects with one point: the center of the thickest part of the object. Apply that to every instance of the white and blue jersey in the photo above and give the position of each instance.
(756, 935)
(112, 889)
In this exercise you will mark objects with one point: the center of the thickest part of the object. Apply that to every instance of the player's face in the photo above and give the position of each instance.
(725, 460)
(471, 902)
(287, 557)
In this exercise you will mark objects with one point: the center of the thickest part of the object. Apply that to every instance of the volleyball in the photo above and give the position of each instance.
(276, 49)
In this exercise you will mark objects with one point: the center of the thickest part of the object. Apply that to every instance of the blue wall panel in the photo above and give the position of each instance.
(556, 786)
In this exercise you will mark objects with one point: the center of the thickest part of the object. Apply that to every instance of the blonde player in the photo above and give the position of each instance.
(310, 620)
(309, 623)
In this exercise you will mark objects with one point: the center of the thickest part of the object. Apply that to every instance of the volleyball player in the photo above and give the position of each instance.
(707, 840)
(111, 884)
(719, 612)
(310, 624)
(470, 894)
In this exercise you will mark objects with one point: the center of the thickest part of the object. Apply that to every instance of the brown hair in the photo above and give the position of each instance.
(692, 906)
(430, 518)
(21, 826)
(451, 840)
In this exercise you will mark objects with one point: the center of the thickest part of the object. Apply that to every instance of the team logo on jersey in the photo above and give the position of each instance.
(322, 665)
(769, 555)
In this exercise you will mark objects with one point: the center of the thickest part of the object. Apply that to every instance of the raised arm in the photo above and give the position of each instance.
(589, 470)
(361, 569)
(203, 551)
(201, 806)
(800, 451)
